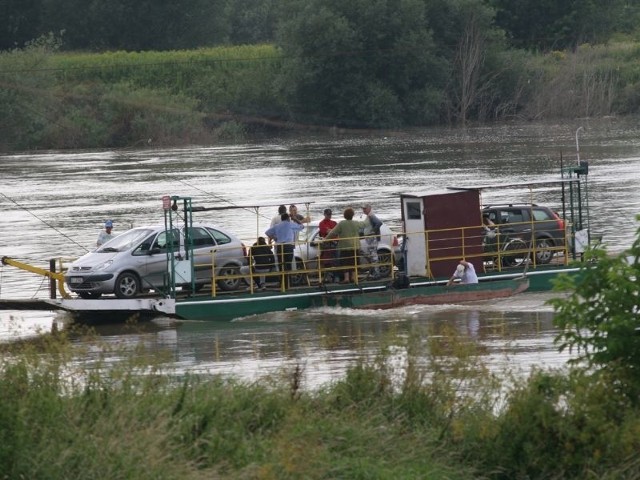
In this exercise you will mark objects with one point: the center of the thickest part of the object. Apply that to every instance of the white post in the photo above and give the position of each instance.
(578, 145)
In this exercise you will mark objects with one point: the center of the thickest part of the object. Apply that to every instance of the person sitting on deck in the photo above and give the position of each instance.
(466, 272)
(263, 261)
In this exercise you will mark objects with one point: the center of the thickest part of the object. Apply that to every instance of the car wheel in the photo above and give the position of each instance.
(544, 254)
(89, 295)
(385, 261)
(296, 278)
(127, 285)
(230, 279)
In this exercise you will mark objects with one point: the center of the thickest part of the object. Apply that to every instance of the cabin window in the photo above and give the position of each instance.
(414, 210)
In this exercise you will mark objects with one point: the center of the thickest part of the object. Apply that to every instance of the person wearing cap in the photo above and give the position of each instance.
(327, 249)
(326, 224)
(105, 235)
(371, 232)
(466, 272)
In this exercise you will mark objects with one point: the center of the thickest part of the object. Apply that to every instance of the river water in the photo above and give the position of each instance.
(54, 204)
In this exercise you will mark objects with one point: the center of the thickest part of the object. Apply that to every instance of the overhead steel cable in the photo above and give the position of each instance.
(43, 221)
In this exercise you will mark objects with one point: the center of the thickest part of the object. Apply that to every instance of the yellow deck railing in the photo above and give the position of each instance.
(326, 260)
(505, 251)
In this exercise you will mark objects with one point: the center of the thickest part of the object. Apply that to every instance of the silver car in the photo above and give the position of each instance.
(306, 251)
(136, 261)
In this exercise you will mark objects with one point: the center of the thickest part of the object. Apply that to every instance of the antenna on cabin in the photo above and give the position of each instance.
(578, 144)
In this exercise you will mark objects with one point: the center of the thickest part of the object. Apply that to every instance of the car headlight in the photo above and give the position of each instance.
(105, 265)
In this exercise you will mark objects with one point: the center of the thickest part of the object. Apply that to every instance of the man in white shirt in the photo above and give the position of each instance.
(466, 272)
(105, 235)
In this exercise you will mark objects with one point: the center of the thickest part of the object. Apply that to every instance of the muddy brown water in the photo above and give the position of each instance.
(54, 204)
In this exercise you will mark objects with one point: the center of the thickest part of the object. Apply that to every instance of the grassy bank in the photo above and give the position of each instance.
(52, 100)
(440, 415)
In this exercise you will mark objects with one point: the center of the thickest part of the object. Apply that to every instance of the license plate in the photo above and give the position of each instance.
(76, 280)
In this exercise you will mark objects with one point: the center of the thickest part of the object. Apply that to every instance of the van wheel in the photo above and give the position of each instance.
(229, 279)
(127, 285)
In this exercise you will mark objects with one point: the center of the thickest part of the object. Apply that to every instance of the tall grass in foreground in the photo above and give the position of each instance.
(422, 408)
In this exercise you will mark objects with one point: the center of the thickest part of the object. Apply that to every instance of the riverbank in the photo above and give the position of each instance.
(446, 418)
(208, 96)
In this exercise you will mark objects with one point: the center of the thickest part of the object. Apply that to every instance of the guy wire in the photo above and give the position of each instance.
(217, 197)
(43, 221)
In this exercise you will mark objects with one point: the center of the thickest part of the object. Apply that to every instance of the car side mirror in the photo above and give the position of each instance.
(154, 251)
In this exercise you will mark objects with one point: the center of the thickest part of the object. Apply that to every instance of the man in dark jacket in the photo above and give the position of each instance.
(262, 260)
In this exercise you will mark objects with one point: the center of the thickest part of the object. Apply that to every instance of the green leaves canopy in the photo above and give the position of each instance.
(601, 317)
(361, 63)
(553, 24)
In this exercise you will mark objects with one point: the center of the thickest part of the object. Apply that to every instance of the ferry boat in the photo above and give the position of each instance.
(439, 229)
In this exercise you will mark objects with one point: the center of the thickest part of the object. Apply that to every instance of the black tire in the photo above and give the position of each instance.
(127, 285)
(520, 253)
(385, 261)
(89, 295)
(230, 280)
(544, 254)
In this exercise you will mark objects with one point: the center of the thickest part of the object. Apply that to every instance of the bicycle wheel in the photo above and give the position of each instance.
(515, 253)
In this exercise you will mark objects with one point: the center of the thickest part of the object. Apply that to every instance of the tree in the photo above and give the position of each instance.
(550, 24)
(19, 22)
(600, 319)
(361, 63)
(135, 25)
(252, 21)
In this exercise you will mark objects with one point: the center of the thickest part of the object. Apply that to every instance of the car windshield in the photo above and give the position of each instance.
(126, 240)
(307, 233)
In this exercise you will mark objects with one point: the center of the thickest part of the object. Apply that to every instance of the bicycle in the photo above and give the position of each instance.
(508, 249)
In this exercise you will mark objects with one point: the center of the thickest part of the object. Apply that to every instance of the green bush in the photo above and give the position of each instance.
(599, 320)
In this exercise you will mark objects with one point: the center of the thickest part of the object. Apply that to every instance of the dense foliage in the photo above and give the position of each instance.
(50, 99)
(552, 24)
(117, 24)
(166, 25)
(326, 63)
(362, 62)
(599, 321)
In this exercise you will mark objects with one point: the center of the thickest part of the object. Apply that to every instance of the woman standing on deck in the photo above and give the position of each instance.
(348, 234)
